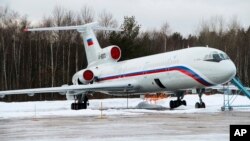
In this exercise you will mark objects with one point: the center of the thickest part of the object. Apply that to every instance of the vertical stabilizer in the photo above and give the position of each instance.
(91, 45)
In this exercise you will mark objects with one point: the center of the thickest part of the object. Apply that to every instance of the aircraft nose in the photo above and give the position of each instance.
(225, 72)
(230, 70)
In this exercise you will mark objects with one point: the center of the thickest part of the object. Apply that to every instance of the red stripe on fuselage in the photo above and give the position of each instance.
(191, 75)
(153, 72)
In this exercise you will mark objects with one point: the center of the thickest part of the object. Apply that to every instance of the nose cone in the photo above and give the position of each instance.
(222, 72)
(229, 70)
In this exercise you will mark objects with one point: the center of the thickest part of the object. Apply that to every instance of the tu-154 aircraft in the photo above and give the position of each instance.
(176, 71)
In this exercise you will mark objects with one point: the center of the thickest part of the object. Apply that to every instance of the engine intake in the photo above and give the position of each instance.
(88, 75)
(110, 53)
(115, 53)
(85, 77)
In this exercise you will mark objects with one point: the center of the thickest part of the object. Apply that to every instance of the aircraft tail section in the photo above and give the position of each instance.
(91, 44)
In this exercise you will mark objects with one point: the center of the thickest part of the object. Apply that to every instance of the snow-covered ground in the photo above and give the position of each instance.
(116, 106)
(56, 121)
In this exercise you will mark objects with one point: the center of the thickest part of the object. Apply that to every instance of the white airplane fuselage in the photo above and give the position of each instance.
(170, 71)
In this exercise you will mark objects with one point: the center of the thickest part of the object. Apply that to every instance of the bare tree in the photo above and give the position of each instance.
(105, 19)
(9, 24)
(86, 15)
(69, 19)
(164, 32)
(58, 14)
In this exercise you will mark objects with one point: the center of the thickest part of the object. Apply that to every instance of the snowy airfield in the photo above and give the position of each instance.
(53, 120)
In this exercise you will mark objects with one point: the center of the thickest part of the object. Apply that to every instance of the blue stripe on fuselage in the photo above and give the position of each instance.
(181, 69)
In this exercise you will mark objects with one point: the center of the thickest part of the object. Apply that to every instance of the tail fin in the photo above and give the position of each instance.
(91, 44)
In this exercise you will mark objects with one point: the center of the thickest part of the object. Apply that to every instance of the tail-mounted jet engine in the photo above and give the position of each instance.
(86, 77)
(110, 53)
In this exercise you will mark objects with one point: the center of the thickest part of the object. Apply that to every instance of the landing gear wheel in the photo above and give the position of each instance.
(73, 106)
(172, 104)
(78, 106)
(81, 102)
(176, 103)
(200, 105)
(184, 102)
(203, 105)
(197, 105)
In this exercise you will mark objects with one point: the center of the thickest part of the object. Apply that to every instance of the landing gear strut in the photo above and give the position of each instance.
(200, 104)
(176, 103)
(81, 102)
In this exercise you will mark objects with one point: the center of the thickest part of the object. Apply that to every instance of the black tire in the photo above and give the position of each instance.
(184, 102)
(197, 105)
(78, 106)
(172, 104)
(83, 105)
(74, 106)
(203, 105)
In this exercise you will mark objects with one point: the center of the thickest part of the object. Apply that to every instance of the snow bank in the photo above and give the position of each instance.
(117, 106)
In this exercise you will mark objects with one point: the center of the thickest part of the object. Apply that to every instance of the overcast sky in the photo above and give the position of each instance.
(182, 15)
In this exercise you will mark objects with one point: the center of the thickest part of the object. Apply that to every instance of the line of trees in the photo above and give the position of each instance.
(45, 59)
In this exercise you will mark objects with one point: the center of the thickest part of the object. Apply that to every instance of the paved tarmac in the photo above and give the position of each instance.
(148, 126)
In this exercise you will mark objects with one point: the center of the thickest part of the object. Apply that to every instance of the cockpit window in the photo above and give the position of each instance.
(215, 57)
(225, 56)
(222, 56)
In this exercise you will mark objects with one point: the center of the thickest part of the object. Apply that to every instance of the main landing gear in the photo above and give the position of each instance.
(81, 102)
(200, 104)
(176, 103)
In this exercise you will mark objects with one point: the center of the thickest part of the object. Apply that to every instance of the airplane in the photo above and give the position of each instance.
(176, 71)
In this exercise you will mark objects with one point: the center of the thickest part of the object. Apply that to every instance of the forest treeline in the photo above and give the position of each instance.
(45, 59)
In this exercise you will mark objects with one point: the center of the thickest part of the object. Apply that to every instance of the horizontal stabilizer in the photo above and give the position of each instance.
(79, 28)
(107, 28)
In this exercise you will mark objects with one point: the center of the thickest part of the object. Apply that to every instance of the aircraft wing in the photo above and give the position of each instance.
(75, 89)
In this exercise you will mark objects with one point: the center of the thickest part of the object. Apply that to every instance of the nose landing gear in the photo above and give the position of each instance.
(200, 104)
